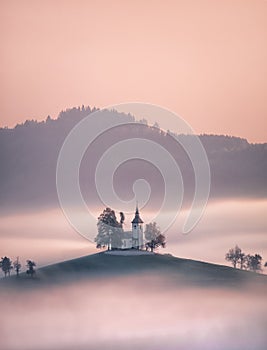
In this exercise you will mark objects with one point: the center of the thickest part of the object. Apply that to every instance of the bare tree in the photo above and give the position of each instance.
(17, 266)
(254, 262)
(234, 256)
(154, 237)
(242, 260)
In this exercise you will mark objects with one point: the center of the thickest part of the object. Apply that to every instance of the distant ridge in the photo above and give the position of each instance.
(28, 158)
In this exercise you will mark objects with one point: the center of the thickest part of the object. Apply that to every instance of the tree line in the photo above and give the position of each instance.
(237, 167)
(244, 261)
(7, 266)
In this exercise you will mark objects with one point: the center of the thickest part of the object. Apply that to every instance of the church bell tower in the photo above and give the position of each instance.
(137, 231)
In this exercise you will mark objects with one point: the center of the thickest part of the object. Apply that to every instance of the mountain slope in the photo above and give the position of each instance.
(28, 157)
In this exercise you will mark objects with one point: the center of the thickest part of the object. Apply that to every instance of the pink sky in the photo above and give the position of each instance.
(203, 59)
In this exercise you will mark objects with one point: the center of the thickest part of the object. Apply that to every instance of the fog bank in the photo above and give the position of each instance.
(142, 312)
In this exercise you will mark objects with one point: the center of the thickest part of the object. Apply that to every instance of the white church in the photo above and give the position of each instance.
(134, 239)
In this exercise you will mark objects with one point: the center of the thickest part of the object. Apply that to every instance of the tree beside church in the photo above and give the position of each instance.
(112, 235)
(154, 237)
(109, 230)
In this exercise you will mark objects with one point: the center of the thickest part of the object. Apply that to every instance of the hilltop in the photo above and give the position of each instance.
(184, 272)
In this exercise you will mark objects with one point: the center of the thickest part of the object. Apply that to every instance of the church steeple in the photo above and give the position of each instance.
(137, 230)
(137, 219)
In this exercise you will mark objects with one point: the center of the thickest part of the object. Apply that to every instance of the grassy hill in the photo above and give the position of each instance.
(175, 270)
(150, 302)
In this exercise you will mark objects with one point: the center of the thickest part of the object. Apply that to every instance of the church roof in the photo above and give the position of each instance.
(137, 219)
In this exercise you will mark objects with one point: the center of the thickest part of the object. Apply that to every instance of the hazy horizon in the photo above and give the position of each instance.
(47, 237)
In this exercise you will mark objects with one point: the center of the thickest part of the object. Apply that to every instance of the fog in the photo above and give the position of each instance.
(144, 312)
(131, 311)
(47, 237)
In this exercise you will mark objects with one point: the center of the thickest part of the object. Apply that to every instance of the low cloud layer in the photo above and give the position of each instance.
(47, 237)
(133, 312)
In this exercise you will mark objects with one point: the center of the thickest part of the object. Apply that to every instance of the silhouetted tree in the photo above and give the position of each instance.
(254, 262)
(242, 260)
(160, 241)
(30, 264)
(17, 266)
(151, 231)
(143, 121)
(235, 256)
(154, 237)
(48, 119)
(109, 230)
(6, 265)
(122, 218)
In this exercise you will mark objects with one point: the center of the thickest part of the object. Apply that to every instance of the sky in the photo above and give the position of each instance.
(204, 59)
